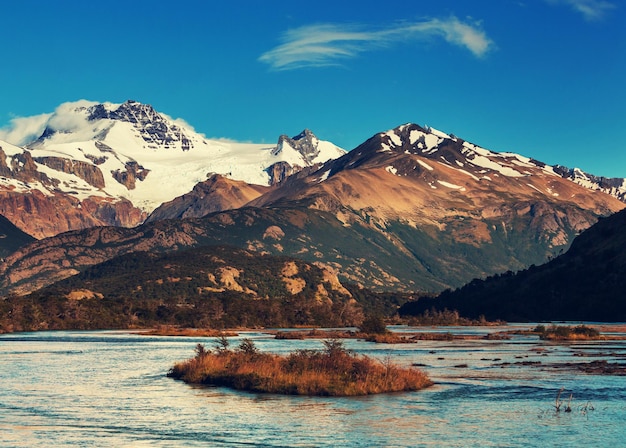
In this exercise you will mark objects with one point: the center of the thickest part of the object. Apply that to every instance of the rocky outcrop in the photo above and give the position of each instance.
(306, 143)
(43, 215)
(114, 213)
(134, 172)
(4, 168)
(279, 171)
(23, 168)
(86, 171)
(152, 126)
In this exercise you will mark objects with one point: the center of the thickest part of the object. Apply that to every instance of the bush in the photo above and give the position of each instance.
(247, 347)
(334, 371)
(541, 329)
(373, 325)
(564, 332)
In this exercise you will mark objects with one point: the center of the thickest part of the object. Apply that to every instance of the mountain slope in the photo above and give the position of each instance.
(210, 287)
(585, 283)
(213, 195)
(112, 164)
(11, 238)
(424, 179)
(359, 254)
(43, 205)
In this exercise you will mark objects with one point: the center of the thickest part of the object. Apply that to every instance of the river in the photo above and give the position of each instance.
(109, 389)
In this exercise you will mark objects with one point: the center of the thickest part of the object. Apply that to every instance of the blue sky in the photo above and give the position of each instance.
(543, 78)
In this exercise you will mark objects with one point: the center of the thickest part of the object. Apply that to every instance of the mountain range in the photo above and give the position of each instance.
(113, 164)
(130, 205)
(410, 209)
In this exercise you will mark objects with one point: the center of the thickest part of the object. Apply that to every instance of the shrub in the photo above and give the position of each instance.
(334, 371)
(586, 331)
(201, 351)
(222, 344)
(373, 325)
(247, 347)
(564, 332)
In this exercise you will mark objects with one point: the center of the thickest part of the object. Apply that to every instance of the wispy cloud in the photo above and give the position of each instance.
(327, 44)
(22, 130)
(590, 9)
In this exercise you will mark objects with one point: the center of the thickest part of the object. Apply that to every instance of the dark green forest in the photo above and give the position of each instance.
(587, 283)
(142, 289)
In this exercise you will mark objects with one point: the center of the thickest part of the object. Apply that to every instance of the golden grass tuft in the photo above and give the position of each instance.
(567, 333)
(332, 372)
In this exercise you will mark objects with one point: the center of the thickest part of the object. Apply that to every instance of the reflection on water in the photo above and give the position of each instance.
(110, 389)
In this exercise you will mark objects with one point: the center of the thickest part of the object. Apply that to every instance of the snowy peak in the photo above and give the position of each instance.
(427, 142)
(482, 163)
(307, 147)
(93, 121)
(130, 155)
(131, 111)
(153, 127)
(412, 148)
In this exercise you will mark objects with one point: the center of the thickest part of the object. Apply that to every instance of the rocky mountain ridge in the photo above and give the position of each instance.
(409, 209)
(423, 177)
(113, 164)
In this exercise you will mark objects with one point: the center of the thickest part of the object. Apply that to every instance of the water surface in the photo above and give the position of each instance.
(101, 389)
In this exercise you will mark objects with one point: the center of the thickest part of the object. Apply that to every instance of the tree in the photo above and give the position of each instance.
(247, 347)
(222, 344)
(373, 325)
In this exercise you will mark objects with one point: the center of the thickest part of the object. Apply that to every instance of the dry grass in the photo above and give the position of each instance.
(168, 330)
(567, 333)
(316, 334)
(333, 372)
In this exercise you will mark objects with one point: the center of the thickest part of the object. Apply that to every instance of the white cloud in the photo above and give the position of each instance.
(327, 44)
(23, 130)
(65, 117)
(181, 123)
(590, 9)
(456, 32)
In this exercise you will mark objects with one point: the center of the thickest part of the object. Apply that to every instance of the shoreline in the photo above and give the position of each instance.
(392, 337)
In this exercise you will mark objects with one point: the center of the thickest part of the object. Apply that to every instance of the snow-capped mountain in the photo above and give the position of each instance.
(111, 153)
(615, 186)
(166, 157)
(412, 208)
(425, 177)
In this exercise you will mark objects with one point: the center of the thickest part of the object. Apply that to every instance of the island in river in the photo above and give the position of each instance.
(334, 371)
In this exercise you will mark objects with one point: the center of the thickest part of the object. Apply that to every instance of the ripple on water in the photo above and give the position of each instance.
(109, 389)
